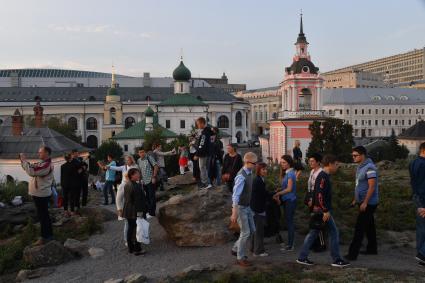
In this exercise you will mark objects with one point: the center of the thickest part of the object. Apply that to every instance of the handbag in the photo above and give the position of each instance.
(142, 231)
(234, 227)
(316, 221)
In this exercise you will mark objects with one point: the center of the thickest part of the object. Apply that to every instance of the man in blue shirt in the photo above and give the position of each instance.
(109, 181)
(417, 181)
(366, 197)
(241, 210)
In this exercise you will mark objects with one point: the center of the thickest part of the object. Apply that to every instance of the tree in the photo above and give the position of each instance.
(108, 147)
(151, 137)
(332, 136)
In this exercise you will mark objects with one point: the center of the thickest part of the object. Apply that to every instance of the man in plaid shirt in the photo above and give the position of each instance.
(149, 172)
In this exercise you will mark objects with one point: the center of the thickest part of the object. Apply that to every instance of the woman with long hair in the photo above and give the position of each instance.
(287, 194)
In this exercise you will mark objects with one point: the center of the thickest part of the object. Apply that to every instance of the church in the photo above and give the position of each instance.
(98, 113)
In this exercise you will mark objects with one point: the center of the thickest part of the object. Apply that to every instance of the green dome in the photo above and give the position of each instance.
(112, 91)
(149, 112)
(181, 73)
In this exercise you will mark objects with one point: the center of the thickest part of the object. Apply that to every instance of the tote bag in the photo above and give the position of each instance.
(142, 231)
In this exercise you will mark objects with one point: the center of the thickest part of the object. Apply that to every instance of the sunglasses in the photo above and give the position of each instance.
(253, 163)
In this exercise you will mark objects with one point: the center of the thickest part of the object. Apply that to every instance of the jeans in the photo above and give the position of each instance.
(84, 192)
(247, 225)
(218, 173)
(151, 198)
(312, 235)
(133, 245)
(125, 229)
(420, 235)
(42, 207)
(68, 198)
(109, 188)
(365, 224)
(257, 243)
(290, 206)
(203, 170)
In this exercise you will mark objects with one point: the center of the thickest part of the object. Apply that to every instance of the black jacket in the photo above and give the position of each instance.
(204, 143)
(260, 196)
(232, 165)
(69, 175)
(322, 194)
(134, 200)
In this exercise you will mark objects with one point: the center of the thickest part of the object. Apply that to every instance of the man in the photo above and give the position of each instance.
(321, 205)
(241, 210)
(216, 160)
(69, 183)
(158, 155)
(109, 181)
(149, 175)
(366, 197)
(76, 162)
(40, 188)
(417, 181)
(203, 151)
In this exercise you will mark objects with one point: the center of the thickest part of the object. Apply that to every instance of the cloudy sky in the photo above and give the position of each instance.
(252, 41)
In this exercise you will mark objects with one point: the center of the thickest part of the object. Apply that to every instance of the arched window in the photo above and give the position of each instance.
(129, 121)
(92, 98)
(304, 99)
(238, 119)
(112, 112)
(73, 123)
(223, 122)
(91, 124)
(92, 141)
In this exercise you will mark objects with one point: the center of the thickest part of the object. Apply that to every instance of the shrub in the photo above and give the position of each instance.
(9, 190)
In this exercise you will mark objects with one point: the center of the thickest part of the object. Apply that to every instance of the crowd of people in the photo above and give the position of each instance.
(245, 178)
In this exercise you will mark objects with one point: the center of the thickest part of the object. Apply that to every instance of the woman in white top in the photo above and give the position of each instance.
(119, 201)
(314, 162)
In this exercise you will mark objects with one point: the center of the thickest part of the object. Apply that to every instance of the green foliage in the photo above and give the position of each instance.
(8, 190)
(332, 136)
(391, 151)
(108, 147)
(152, 137)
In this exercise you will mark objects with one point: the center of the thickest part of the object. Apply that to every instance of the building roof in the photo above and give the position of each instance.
(303, 65)
(31, 140)
(73, 94)
(137, 131)
(182, 73)
(416, 132)
(149, 112)
(261, 89)
(301, 36)
(373, 96)
(55, 73)
(182, 99)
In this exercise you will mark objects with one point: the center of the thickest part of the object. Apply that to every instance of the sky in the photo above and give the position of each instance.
(252, 41)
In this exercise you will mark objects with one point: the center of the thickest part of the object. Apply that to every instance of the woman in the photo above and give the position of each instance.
(183, 159)
(129, 163)
(259, 197)
(135, 205)
(288, 196)
(298, 156)
(231, 165)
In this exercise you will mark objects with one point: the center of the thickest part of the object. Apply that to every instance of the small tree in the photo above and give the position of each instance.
(332, 136)
(151, 137)
(108, 147)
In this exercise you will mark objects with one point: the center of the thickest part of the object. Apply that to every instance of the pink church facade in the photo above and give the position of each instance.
(301, 96)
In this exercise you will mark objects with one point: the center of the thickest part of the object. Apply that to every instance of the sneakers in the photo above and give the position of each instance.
(340, 263)
(209, 186)
(287, 249)
(305, 262)
(243, 263)
(261, 255)
(420, 258)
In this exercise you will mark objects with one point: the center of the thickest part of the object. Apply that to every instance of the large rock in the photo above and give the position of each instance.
(76, 247)
(17, 215)
(200, 218)
(96, 252)
(100, 213)
(135, 278)
(52, 253)
(182, 180)
(26, 274)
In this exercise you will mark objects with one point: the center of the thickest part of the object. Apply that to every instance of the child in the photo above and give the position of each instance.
(184, 158)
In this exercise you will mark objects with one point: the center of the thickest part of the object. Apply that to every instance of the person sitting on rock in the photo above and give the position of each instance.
(241, 210)
(135, 205)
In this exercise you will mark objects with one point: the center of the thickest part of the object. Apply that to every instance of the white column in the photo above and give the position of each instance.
(319, 98)
(233, 125)
(244, 124)
(294, 99)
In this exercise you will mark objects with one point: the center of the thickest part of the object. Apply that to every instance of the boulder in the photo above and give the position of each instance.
(96, 252)
(101, 214)
(52, 253)
(114, 281)
(182, 180)
(135, 278)
(17, 215)
(76, 247)
(200, 218)
(27, 274)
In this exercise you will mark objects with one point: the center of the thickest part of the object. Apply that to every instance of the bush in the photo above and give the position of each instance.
(9, 190)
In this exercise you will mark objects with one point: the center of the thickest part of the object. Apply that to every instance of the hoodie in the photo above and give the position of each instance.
(367, 170)
(204, 143)
(417, 181)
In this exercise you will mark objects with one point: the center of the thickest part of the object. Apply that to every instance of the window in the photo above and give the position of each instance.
(383, 123)
(369, 122)
(396, 111)
(389, 122)
(238, 118)
(348, 111)
(410, 111)
(355, 111)
(410, 122)
(167, 124)
(402, 122)
(129, 121)
(113, 133)
(181, 87)
(383, 111)
(92, 141)
(362, 122)
(91, 123)
(355, 122)
(362, 111)
(182, 124)
(72, 122)
(223, 122)
(369, 132)
(370, 111)
(389, 111)
(396, 122)
(402, 111)
(126, 147)
(112, 112)
(376, 122)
